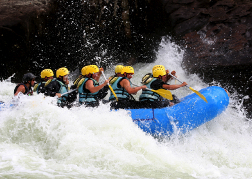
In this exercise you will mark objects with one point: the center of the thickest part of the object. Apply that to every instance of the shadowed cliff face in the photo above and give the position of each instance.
(21, 22)
(50, 34)
(214, 33)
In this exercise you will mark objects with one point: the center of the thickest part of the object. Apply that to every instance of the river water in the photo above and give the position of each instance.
(40, 140)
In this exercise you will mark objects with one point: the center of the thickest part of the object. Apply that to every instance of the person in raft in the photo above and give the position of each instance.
(46, 77)
(168, 76)
(59, 86)
(152, 99)
(25, 87)
(90, 92)
(80, 77)
(149, 76)
(123, 90)
(118, 70)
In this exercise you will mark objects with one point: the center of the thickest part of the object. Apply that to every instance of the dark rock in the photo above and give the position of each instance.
(222, 40)
(52, 34)
(193, 24)
(214, 33)
(183, 1)
(19, 22)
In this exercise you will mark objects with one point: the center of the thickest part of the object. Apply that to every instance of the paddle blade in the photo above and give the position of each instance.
(199, 94)
(164, 93)
(111, 89)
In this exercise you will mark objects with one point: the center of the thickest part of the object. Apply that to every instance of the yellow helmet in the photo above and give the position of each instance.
(62, 72)
(47, 73)
(157, 66)
(159, 71)
(83, 70)
(127, 69)
(118, 69)
(92, 69)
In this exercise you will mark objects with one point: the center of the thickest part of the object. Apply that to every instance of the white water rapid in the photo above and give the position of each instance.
(40, 140)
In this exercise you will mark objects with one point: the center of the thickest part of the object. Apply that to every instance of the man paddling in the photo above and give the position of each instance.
(123, 90)
(90, 92)
(25, 86)
(168, 76)
(158, 81)
(59, 86)
(46, 77)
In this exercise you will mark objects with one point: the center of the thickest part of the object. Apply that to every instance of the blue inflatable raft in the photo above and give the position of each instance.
(190, 113)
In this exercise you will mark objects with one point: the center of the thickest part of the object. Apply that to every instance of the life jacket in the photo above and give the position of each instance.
(148, 95)
(78, 79)
(40, 86)
(28, 91)
(85, 96)
(63, 89)
(147, 78)
(112, 79)
(120, 92)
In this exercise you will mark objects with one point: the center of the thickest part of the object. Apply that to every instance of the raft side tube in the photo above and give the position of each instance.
(190, 113)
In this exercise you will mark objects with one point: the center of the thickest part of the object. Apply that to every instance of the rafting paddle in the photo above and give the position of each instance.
(69, 92)
(162, 92)
(111, 89)
(198, 93)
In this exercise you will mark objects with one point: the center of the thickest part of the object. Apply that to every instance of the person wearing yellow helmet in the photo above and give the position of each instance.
(80, 78)
(158, 66)
(123, 90)
(118, 70)
(90, 92)
(154, 100)
(46, 77)
(25, 86)
(148, 76)
(59, 86)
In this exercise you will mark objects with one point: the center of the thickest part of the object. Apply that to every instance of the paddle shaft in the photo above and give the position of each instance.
(162, 92)
(198, 93)
(69, 92)
(145, 88)
(178, 80)
(111, 89)
(139, 86)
